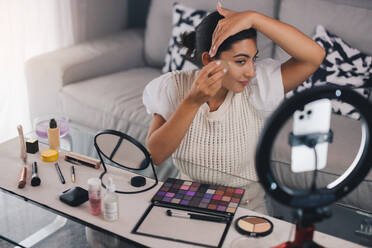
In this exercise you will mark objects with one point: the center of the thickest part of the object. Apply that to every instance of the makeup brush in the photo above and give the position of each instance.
(195, 216)
(22, 144)
(35, 180)
(22, 180)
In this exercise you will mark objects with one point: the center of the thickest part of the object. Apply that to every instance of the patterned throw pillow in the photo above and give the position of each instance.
(185, 19)
(343, 65)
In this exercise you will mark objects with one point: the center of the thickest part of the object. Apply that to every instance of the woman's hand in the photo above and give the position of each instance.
(233, 23)
(207, 83)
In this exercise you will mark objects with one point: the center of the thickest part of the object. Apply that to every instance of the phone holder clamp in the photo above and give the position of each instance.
(310, 140)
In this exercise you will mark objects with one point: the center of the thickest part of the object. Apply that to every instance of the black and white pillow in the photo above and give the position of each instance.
(343, 65)
(185, 19)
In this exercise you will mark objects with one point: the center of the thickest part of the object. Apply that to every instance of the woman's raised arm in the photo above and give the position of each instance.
(306, 54)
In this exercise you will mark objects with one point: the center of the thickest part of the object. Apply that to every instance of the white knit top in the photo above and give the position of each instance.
(223, 140)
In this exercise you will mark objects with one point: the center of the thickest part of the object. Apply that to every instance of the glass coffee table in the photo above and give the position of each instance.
(345, 222)
(29, 224)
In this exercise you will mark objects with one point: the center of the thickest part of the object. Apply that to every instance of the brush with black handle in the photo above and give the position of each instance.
(35, 180)
(195, 216)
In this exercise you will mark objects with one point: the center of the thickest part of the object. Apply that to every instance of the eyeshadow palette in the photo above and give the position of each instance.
(208, 197)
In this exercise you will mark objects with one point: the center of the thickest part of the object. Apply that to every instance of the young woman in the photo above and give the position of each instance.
(212, 117)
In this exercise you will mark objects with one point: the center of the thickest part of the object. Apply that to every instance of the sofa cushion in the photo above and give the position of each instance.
(341, 153)
(184, 20)
(353, 24)
(159, 24)
(111, 102)
(343, 65)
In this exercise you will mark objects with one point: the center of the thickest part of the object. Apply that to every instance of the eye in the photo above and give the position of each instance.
(240, 62)
(255, 58)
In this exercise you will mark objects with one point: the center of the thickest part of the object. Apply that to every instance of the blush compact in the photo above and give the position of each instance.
(254, 226)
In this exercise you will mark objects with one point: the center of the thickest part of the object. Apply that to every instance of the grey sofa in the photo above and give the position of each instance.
(98, 83)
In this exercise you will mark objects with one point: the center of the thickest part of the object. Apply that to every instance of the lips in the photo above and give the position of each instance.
(244, 83)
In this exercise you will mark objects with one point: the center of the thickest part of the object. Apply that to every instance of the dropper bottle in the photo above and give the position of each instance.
(110, 202)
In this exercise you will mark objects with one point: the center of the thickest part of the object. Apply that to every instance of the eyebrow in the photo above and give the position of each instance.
(244, 55)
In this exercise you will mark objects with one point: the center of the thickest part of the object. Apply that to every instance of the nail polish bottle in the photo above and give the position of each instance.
(53, 135)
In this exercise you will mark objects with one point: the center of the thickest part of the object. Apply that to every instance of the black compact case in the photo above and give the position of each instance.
(74, 196)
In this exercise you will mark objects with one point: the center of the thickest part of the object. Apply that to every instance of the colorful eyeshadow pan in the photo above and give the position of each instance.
(172, 190)
(179, 196)
(228, 194)
(212, 206)
(194, 188)
(230, 190)
(221, 188)
(171, 195)
(175, 200)
(187, 194)
(231, 210)
(219, 192)
(207, 196)
(239, 191)
(221, 208)
(181, 191)
(185, 187)
(203, 205)
(199, 194)
(211, 191)
(191, 193)
(226, 198)
(161, 193)
(187, 197)
(167, 185)
(216, 197)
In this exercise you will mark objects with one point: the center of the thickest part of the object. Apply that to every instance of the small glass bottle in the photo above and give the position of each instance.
(53, 134)
(94, 196)
(110, 203)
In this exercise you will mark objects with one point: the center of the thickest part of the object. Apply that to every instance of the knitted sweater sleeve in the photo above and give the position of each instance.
(160, 96)
(267, 88)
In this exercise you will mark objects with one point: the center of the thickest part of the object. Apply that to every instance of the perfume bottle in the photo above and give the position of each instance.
(53, 135)
(110, 203)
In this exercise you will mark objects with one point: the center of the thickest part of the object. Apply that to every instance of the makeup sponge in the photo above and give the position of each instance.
(49, 155)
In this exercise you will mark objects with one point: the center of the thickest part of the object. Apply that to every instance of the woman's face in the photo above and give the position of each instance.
(240, 61)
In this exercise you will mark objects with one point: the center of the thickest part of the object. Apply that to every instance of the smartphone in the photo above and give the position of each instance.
(314, 118)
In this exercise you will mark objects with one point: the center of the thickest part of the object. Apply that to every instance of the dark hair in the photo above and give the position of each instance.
(200, 40)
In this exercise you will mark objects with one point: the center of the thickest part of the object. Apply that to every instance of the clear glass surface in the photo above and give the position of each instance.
(22, 222)
(21, 219)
